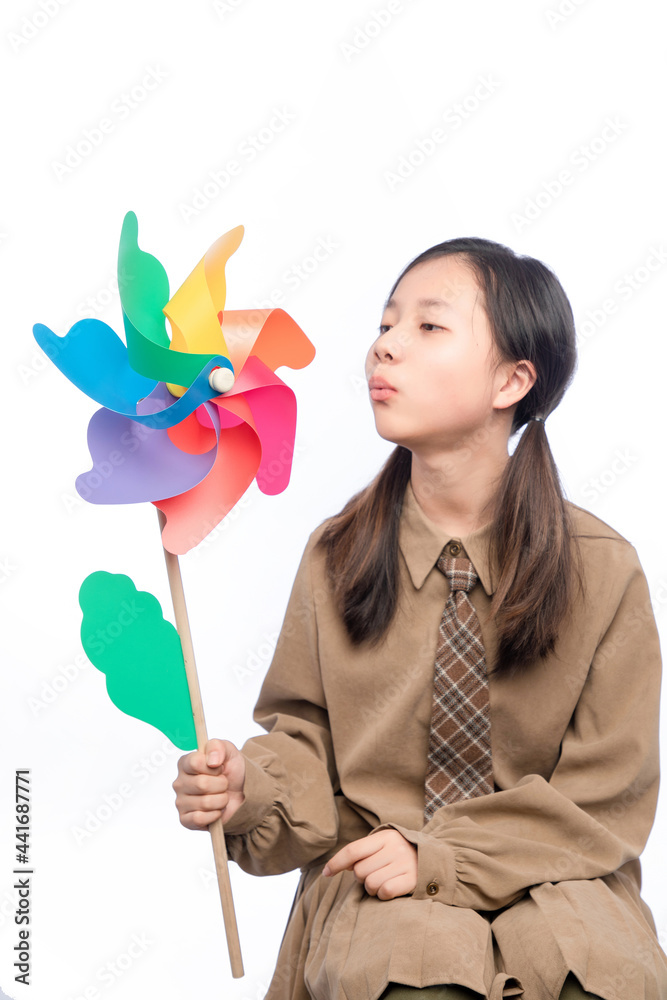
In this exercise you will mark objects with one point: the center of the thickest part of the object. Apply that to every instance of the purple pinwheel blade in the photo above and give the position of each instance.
(133, 463)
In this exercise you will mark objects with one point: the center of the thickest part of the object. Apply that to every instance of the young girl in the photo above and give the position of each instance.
(462, 710)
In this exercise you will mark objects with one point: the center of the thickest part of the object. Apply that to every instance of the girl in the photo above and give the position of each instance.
(462, 710)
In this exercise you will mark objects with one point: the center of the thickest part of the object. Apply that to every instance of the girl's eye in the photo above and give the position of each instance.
(427, 326)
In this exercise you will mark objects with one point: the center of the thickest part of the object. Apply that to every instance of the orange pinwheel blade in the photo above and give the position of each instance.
(269, 334)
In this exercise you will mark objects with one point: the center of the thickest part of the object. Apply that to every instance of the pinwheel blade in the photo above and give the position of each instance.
(94, 358)
(269, 334)
(192, 515)
(272, 412)
(144, 292)
(194, 309)
(133, 463)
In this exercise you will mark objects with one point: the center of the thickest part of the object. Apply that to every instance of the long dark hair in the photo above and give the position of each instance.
(531, 536)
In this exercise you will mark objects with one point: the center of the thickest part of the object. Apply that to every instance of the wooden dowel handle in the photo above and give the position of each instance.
(216, 829)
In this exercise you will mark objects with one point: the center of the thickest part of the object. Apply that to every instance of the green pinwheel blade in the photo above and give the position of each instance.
(144, 291)
(125, 635)
(143, 285)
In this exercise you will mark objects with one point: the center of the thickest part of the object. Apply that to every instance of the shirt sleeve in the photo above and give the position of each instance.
(596, 811)
(289, 815)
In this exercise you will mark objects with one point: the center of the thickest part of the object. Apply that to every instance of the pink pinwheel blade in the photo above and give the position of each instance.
(272, 412)
(192, 515)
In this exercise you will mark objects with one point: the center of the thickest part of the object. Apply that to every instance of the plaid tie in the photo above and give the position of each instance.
(459, 754)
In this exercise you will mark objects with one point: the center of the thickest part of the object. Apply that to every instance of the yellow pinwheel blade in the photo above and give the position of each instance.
(193, 310)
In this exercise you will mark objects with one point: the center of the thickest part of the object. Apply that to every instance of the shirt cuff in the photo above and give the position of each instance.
(260, 792)
(436, 865)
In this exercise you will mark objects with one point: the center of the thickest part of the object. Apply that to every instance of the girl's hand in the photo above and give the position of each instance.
(385, 862)
(209, 784)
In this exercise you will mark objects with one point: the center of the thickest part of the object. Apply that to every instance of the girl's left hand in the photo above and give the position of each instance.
(385, 862)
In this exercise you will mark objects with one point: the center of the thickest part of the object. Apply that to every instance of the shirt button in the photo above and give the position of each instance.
(432, 888)
(454, 548)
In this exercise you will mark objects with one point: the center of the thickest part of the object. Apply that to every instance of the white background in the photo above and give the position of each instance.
(361, 89)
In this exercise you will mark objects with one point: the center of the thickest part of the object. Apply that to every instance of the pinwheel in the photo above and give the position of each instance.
(187, 422)
(165, 433)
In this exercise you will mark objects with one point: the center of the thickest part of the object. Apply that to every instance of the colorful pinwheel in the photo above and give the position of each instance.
(165, 433)
(186, 422)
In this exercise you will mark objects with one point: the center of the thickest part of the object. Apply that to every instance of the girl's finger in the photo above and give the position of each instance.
(400, 885)
(349, 855)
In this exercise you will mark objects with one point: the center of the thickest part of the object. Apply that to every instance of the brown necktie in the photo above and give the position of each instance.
(459, 754)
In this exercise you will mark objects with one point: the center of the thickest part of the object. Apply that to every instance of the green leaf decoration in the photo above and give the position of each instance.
(125, 635)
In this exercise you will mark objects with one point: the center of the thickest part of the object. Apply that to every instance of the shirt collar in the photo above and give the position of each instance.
(421, 542)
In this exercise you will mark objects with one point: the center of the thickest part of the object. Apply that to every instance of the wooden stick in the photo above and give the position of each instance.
(215, 829)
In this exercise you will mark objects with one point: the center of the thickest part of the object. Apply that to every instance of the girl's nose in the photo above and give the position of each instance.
(383, 351)
(389, 345)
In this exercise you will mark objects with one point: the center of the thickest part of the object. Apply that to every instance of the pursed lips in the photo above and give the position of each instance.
(380, 389)
(377, 382)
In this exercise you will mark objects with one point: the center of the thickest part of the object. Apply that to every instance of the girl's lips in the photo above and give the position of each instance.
(382, 393)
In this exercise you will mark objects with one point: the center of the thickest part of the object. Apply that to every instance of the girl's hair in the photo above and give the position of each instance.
(531, 535)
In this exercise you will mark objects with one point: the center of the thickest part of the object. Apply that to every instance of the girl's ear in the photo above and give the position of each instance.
(518, 379)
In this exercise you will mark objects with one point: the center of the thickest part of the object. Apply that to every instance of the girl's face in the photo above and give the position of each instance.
(435, 353)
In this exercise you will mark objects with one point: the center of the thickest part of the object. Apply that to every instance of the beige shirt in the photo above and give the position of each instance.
(535, 880)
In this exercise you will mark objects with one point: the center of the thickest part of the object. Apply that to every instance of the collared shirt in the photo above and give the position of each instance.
(515, 888)
(421, 542)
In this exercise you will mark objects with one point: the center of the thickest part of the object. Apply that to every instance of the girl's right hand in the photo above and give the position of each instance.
(209, 784)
